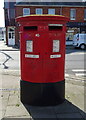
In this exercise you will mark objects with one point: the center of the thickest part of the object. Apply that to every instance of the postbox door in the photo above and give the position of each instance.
(54, 55)
(53, 51)
(32, 57)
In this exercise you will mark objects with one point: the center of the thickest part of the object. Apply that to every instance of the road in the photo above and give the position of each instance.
(13, 63)
(74, 62)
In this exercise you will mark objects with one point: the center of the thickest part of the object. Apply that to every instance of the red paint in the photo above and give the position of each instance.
(43, 69)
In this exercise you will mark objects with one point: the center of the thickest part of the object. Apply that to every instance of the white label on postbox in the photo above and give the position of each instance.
(29, 46)
(55, 56)
(56, 45)
(31, 56)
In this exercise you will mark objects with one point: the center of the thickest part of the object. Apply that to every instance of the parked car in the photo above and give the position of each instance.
(79, 40)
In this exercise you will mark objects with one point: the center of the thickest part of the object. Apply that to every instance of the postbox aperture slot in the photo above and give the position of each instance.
(56, 45)
(30, 28)
(29, 46)
(54, 27)
(51, 28)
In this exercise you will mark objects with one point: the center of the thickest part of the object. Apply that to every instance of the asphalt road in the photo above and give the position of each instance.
(13, 62)
(74, 61)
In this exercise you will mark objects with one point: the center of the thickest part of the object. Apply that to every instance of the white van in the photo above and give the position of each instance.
(79, 40)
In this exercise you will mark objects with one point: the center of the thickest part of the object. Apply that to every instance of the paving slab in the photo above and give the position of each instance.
(13, 100)
(18, 118)
(64, 110)
(4, 94)
(83, 114)
(15, 92)
(41, 112)
(4, 47)
(13, 108)
(70, 116)
(16, 111)
(4, 104)
(10, 72)
(10, 81)
(75, 94)
(1, 114)
(65, 107)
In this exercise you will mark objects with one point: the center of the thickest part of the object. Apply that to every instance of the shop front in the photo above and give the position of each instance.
(74, 28)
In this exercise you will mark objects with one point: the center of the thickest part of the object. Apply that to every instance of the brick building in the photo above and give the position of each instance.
(2, 33)
(9, 13)
(76, 11)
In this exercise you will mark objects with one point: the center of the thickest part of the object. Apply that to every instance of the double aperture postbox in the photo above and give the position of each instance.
(42, 48)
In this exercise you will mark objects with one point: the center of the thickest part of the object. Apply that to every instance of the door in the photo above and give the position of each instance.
(53, 58)
(11, 36)
(31, 55)
(53, 46)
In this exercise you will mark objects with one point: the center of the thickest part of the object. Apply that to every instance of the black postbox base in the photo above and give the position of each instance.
(42, 94)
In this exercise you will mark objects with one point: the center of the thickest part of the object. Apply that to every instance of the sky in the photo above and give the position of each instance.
(1, 13)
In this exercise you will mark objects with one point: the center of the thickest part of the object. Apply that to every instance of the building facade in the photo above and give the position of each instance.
(2, 33)
(9, 13)
(76, 11)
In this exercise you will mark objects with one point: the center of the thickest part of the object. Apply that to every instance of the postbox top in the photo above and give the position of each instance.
(43, 17)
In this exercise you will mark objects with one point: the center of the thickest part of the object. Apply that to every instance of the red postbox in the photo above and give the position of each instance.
(42, 48)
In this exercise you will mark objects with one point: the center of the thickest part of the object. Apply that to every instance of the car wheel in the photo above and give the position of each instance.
(83, 46)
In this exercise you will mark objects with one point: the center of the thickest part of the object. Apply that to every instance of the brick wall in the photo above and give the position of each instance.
(58, 10)
(80, 14)
(64, 10)
(19, 9)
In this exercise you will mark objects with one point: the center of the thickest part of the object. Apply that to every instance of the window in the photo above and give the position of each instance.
(13, 36)
(12, 13)
(51, 11)
(6, 4)
(26, 11)
(85, 14)
(39, 11)
(72, 14)
(9, 35)
(11, 29)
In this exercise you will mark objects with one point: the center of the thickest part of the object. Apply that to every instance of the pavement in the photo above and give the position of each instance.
(4, 47)
(73, 108)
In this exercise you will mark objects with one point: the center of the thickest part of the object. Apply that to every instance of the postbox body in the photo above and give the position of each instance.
(42, 46)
